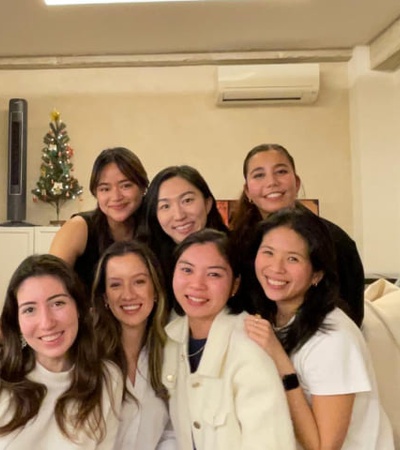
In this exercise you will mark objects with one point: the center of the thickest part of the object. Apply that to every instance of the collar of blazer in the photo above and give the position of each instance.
(218, 340)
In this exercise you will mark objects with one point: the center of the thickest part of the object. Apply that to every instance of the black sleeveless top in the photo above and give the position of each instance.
(85, 265)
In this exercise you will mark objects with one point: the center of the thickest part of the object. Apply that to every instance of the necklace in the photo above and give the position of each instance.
(197, 351)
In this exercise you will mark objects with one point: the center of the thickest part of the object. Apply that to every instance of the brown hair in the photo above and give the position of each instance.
(88, 372)
(246, 214)
(108, 328)
(130, 165)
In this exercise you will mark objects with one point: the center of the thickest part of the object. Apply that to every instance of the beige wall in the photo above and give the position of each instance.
(375, 131)
(168, 116)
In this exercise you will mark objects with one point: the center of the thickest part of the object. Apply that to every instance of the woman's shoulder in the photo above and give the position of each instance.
(338, 235)
(338, 334)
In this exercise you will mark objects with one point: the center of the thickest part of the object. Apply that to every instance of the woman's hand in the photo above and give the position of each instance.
(260, 331)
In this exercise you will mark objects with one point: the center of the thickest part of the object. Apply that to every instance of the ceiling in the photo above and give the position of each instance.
(28, 28)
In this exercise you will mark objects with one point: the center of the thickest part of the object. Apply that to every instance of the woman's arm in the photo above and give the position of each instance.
(324, 423)
(70, 240)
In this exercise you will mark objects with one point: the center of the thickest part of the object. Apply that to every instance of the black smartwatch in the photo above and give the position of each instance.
(290, 381)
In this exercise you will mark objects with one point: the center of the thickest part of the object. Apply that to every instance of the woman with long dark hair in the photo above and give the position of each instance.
(178, 203)
(118, 182)
(318, 350)
(56, 390)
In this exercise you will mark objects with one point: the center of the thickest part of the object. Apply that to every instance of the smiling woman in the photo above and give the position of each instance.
(55, 387)
(177, 204)
(224, 392)
(118, 182)
(129, 316)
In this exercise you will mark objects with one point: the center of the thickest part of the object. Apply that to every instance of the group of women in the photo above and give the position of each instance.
(151, 325)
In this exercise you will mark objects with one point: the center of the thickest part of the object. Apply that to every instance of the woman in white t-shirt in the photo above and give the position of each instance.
(319, 352)
(129, 315)
(56, 392)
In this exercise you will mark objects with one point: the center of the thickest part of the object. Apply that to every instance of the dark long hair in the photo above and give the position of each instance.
(150, 230)
(246, 214)
(319, 300)
(88, 372)
(225, 249)
(108, 328)
(130, 165)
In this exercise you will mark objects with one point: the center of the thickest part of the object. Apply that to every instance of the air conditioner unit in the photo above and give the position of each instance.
(268, 84)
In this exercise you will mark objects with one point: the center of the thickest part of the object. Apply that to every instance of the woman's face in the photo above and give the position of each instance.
(181, 208)
(283, 267)
(130, 292)
(202, 283)
(271, 183)
(118, 198)
(48, 320)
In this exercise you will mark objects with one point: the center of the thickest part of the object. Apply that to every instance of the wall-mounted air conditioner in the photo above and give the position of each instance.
(267, 84)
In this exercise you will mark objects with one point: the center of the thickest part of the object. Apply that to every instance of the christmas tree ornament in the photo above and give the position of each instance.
(56, 185)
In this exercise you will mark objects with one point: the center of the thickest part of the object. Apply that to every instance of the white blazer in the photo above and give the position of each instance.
(144, 424)
(235, 400)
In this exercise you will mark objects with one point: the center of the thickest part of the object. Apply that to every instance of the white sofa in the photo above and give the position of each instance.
(381, 329)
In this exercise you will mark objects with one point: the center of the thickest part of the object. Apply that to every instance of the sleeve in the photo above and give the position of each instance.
(260, 402)
(351, 279)
(332, 363)
(350, 272)
(112, 405)
(167, 440)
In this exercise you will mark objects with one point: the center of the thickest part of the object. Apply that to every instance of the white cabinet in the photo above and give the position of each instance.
(16, 243)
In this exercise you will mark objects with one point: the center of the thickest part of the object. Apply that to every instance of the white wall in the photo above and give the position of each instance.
(375, 142)
(168, 116)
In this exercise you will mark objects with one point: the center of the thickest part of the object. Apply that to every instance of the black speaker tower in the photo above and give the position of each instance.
(17, 160)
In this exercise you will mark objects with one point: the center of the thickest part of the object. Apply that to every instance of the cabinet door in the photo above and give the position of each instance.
(43, 238)
(15, 245)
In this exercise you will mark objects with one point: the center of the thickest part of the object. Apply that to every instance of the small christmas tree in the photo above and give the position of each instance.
(56, 185)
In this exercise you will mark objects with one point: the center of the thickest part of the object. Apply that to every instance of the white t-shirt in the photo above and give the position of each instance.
(144, 424)
(42, 432)
(336, 361)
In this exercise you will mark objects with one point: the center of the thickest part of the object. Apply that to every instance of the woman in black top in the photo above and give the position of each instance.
(271, 183)
(118, 182)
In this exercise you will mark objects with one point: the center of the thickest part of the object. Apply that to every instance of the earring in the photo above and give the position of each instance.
(23, 341)
(315, 284)
(106, 305)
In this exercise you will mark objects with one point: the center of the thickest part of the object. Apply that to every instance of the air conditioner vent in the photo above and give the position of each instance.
(268, 84)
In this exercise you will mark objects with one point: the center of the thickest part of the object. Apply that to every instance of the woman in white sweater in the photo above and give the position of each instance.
(225, 393)
(55, 390)
(318, 350)
(129, 315)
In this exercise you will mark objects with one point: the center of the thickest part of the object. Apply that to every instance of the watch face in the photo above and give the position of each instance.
(290, 381)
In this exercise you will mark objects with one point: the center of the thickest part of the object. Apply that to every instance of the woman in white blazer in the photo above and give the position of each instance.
(129, 316)
(224, 392)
